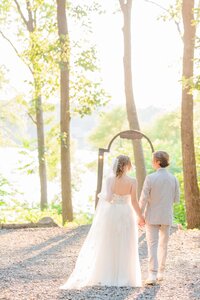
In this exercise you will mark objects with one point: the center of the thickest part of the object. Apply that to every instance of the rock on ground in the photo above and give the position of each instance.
(35, 262)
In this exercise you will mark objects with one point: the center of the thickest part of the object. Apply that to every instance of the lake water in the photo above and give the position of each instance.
(28, 185)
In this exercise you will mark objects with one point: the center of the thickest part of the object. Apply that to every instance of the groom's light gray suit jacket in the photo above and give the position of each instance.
(160, 191)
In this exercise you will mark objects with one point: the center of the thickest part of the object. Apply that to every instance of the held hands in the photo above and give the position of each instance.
(141, 221)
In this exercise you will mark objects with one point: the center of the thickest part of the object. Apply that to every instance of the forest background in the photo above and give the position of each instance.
(30, 63)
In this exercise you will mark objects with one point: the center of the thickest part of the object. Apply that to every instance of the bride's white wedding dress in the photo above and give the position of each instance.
(109, 255)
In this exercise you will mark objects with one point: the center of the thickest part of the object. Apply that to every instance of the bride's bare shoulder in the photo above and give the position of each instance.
(131, 180)
(110, 178)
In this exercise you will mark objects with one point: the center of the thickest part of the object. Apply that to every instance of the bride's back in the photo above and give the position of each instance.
(123, 185)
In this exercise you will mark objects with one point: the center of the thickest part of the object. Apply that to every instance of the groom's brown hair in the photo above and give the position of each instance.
(162, 157)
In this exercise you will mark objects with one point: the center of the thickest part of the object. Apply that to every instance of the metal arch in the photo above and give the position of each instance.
(136, 136)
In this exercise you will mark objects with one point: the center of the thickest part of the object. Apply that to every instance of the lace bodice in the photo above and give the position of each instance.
(121, 199)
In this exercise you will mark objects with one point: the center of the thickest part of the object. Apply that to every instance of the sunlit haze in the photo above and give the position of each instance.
(156, 56)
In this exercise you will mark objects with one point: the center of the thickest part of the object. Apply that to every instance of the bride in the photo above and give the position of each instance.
(109, 255)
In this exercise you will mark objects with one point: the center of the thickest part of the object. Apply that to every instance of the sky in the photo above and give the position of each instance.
(156, 55)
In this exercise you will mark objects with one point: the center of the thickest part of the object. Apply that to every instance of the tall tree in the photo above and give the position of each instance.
(28, 14)
(126, 8)
(67, 211)
(192, 195)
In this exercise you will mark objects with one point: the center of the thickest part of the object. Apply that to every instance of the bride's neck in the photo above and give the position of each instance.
(123, 175)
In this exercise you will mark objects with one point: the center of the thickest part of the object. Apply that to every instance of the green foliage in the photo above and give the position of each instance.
(5, 6)
(4, 185)
(88, 97)
(197, 135)
(110, 123)
(36, 47)
(179, 213)
(40, 50)
(82, 218)
(164, 133)
(27, 162)
(166, 127)
(21, 214)
(173, 12)
(7, 192)
(3, 76)
(86, 91)
(179, 208)
(53, 151)
(87, 59)
(12, 123)
(82, 13)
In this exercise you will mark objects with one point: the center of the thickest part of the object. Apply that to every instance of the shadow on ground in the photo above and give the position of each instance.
(39, 255)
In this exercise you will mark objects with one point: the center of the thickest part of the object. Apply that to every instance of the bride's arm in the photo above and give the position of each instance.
(135, 204)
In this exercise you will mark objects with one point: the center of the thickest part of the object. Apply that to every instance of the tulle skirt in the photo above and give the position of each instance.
(109, 255)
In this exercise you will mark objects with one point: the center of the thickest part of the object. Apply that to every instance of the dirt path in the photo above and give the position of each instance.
(35, 262)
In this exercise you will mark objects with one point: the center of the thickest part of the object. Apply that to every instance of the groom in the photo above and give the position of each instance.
(160, 191)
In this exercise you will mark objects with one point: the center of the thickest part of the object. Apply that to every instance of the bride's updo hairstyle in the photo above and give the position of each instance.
(162, 157)
(123, 161)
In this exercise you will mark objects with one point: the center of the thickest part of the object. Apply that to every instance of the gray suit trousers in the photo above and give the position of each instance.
(157, 240)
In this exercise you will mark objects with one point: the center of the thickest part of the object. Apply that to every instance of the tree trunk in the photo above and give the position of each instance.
(41, 152)
(30, 26)
(192, 196)
(39, 119)
(130, 104)
(67, 210)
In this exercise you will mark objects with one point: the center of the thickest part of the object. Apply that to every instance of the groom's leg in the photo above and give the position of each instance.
(152, 232)
(164, 233)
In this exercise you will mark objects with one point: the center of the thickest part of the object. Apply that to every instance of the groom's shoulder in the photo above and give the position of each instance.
(151, 175)
(160, 174)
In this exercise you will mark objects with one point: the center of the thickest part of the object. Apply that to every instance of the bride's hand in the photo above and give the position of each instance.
(141, 221)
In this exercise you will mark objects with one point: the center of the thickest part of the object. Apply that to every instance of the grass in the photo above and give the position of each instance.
(20, 215)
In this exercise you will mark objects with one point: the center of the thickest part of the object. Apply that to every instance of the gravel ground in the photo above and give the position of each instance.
(35, 262)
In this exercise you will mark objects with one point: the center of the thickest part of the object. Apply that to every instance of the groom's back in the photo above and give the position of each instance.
(162, 194)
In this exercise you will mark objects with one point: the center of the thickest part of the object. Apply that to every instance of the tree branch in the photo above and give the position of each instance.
(122, 4)
(179, 30)
(156, 4)
(21, 13)
(125, 5)
(35, 18)
(30, 116)
(165, 9)
(16, 51)
(30, 23)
